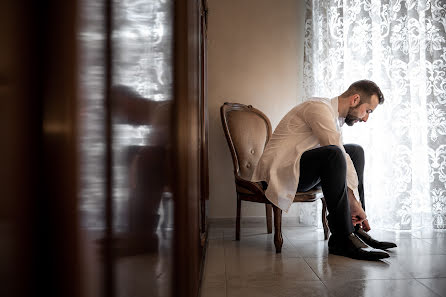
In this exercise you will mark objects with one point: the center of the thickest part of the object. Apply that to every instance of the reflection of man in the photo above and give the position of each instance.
(147, 166)
(306, 150)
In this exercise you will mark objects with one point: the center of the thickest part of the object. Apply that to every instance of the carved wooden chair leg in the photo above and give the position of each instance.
(237, 220)
(269, 224)
(278, 240)
(324, 219)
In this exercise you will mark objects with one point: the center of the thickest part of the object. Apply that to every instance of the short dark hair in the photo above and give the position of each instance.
(366, 89)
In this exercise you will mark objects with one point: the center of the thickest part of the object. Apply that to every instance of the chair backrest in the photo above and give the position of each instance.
(247, 131)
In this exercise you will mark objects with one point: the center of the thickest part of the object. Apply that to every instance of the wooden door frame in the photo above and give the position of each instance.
(188, 136)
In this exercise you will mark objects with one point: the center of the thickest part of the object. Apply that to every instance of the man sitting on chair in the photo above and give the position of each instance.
(306, 150)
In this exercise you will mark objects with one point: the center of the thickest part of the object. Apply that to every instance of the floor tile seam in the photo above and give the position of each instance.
(244, 236)
(344, 280)
(419, 254)
(211, 287)
(406, 269)
(426, 241)
(330, 292)
(438, 277)
(427, 276)
(284, 237)
(367, 279)
(278, 285)
(294, 247)
(312, 270)
(428, 237)
(224, 260)
(427, 287)
(288, 239)
(206, 270)
(306, 240)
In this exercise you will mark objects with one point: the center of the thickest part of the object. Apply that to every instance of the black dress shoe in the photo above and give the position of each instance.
(382, 245)
(352, 247)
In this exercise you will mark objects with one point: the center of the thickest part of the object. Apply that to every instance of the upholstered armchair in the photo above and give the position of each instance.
(247, 132)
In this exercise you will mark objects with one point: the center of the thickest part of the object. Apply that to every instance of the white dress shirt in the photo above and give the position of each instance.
(309, 125)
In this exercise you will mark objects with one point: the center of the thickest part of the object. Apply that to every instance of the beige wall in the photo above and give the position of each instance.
(255, 56)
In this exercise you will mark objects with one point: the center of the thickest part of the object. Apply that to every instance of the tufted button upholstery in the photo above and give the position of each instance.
(249, 132)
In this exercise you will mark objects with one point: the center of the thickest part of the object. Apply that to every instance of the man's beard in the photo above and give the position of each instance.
(350, 119)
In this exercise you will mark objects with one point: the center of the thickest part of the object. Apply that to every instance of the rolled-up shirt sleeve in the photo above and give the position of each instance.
(319, 118)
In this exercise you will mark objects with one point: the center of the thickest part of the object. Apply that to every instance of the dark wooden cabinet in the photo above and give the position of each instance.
(105, 174)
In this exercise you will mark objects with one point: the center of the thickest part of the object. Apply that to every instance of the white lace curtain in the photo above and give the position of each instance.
(401, 45)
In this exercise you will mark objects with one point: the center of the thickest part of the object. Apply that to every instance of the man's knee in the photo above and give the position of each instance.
(333, 149)
(334, 161)
(354, 149)
(334, 153)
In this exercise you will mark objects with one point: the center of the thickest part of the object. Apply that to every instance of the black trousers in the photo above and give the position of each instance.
(326, 167)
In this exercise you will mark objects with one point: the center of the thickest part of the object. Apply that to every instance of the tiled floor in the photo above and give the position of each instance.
(250, 267)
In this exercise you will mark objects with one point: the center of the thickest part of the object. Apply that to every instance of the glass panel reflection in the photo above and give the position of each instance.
(142, 97)
(91, 51)
(91, 36)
